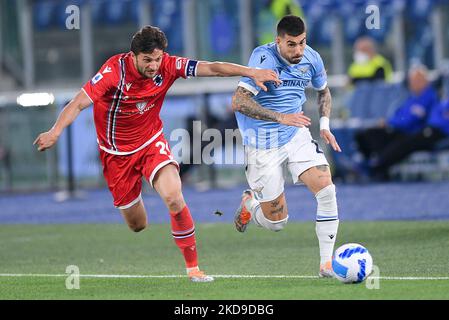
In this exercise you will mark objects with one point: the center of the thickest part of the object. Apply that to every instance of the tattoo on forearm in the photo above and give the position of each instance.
(325, 102)
(245, 104)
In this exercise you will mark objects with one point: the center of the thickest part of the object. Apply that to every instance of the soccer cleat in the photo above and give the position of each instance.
(242, 216)
(326, 270)
(199, 276)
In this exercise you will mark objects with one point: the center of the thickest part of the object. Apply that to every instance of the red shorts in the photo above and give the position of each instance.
(124, 174)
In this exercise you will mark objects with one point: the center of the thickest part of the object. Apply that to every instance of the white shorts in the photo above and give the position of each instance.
(264, 167)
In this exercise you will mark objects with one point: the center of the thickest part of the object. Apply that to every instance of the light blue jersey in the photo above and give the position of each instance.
(285, 98)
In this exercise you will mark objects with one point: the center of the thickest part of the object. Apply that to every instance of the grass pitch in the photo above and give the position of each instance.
(114, 263)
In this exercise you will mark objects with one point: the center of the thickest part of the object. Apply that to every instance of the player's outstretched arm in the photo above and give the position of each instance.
(47, 139)
(325, 106)
(225, 69)
(243, 102)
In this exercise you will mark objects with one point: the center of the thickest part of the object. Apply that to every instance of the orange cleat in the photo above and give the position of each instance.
(242, 216)
(326, 270)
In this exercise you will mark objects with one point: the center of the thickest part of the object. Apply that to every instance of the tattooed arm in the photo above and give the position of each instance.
(325, 106)
(243, 102)
(325, 102)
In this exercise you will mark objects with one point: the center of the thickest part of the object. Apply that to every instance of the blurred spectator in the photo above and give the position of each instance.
(407, 130)
(437, 129)
(368, 64)
(409, 117)
(270, 14)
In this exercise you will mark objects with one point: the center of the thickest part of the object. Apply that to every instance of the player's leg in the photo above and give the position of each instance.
(271, 215)
(307, 164)
(125, 185)
(135, 215)
(167, 183)
(265, 203)
(319, 181)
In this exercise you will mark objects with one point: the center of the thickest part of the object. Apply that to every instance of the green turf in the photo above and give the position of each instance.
(400, 249)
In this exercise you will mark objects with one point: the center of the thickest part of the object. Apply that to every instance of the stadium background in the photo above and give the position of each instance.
(38, 54)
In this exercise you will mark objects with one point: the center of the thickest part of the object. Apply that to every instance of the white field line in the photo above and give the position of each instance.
(238, 276)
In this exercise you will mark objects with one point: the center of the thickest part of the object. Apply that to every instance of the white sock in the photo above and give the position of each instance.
(326, 232)
(257, 216)
(253, 206)
(326, 222)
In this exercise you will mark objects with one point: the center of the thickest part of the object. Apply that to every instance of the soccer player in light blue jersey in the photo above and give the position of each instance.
(275, 134)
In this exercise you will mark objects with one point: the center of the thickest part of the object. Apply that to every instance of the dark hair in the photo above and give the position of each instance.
(291, 25)
(147, 39)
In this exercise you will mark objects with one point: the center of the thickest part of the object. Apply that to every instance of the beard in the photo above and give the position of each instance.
(295, 60)
(145, 72)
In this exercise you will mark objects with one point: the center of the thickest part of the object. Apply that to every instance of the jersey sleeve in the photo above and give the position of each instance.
(260, 59)
(102, 82)
(319, 77)
(181, 67)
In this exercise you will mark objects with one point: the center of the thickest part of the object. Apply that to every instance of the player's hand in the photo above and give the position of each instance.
(45, 140)
(329, 138)
(295, 119)
(264, 75)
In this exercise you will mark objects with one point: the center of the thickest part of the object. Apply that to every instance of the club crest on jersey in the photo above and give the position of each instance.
(158, 80)
(304, 69)
(96, 78)
(141, 105)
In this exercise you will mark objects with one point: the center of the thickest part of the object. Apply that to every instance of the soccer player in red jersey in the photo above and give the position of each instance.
(127, 95)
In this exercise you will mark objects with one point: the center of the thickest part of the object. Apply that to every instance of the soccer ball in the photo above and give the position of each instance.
(352, 263)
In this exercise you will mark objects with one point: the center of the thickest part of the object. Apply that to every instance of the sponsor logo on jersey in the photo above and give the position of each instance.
(142, 107)
(96, 78)
(107, 70)
(295, 83)
(158, 80)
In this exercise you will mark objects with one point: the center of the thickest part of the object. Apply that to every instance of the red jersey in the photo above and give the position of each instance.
(127, 105)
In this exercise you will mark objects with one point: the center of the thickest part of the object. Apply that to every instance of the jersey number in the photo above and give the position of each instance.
(163, 147)
(318, 149)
